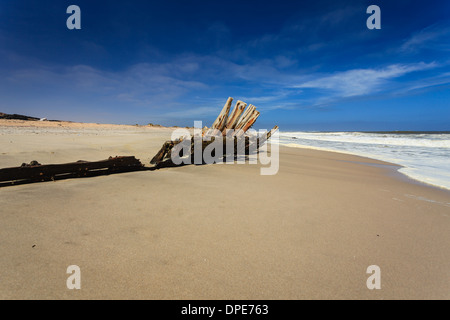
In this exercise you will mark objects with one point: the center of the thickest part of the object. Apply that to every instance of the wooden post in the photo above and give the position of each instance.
(223, 115)
(219, 124)
(235, 114)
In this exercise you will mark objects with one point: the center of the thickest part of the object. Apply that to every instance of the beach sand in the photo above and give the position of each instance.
(214, 231)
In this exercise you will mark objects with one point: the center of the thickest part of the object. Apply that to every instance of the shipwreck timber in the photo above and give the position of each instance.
(231, 126)
(228, 126)
(34, 171)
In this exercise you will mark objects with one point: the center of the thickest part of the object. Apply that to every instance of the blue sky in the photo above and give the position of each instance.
(306, 65)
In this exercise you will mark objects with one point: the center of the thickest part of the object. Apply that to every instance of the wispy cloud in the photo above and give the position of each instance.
(140, 83)
(434, 37)
(359, 82)
(428, 82)
(194, 86)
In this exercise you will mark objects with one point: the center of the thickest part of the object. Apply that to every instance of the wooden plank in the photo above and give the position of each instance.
(248, 110)
(232, 115)
(245, 117)
(33, 172)
(269, 134)
(251, 121)
(221, 120)
(245, 120)
(247, 124)
(235, 115)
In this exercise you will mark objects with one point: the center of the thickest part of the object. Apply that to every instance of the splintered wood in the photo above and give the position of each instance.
(232, 125)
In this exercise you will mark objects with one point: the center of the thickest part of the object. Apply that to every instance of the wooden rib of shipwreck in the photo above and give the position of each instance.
(37, 172)
(229, 125)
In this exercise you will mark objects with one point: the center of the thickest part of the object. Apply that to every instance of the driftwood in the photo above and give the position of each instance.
(37, 172)
(230, 125)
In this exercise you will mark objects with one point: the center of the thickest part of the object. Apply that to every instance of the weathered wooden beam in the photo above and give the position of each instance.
(165, 151)
(248, 110)
(221, 121)
(269, 134)
(223, 116)
(162, 152)
(35, 171)
(242, 126)
(235, 115)
(252, 119)
(245, 117)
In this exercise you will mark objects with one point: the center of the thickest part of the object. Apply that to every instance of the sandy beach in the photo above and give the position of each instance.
(214, 231)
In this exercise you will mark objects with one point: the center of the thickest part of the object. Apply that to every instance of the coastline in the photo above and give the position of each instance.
(216, 231)
(421, 155)
(395, 166)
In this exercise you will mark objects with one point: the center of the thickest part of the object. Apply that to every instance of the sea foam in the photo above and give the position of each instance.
(423, 156)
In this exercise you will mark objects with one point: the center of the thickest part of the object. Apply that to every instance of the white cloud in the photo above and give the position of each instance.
(358, 82)
(436, 36)
(140, 84)
(435, 81)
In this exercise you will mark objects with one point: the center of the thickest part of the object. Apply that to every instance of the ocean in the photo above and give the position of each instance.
(424, 156)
